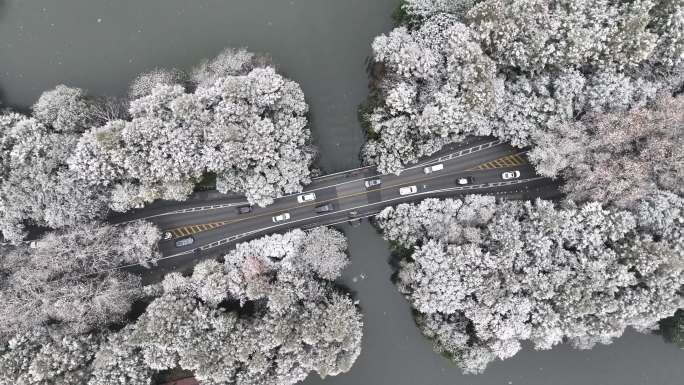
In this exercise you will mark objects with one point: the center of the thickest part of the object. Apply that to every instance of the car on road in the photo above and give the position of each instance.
(510, 175)
(408, 190)
(167, 235)
(244, 209)
(433, 168)
(187, 241)
(372, 182)
(326, 208)
(464, 181)
(352, 214)
(306, 198)
(281, 217)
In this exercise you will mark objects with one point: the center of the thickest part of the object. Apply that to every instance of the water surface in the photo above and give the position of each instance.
(101, 45)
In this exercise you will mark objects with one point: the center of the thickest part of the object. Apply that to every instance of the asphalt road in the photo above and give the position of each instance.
(212, 219)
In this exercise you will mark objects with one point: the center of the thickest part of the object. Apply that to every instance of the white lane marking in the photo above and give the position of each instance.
(454, 155)
(464, 152)
(239, 236)
(456, 188)
(458, 154)
(341, 172)
(188, 210)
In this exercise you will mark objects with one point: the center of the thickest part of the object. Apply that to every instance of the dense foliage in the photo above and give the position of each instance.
(485, 276)
(36, 185)
(515, 68)
(66, 279)
(78, 156)
(617, 157)
(242, 121)
(269, 314)
(265, 316)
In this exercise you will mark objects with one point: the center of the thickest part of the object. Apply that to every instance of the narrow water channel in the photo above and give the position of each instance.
(101, 45)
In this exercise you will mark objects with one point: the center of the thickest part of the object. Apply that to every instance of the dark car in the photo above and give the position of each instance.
(185, 242)
(244, 209)
(326, 208)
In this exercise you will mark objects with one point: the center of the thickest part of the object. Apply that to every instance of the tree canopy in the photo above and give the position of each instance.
(67, 280)
(485, 276)
(77, 156)
(269, 314)
(514, 68)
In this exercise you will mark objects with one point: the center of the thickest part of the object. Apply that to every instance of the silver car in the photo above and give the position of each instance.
(185, 242)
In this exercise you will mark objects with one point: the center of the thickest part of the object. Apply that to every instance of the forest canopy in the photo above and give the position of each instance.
(516, 69)
(77, 156)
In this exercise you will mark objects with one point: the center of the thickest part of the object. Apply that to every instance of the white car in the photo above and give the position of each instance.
(373, 182)
(510, 175)
(464, 181)
(433, 168)
(306, 198)
(167, 235)
(281, 217)
(408, 190)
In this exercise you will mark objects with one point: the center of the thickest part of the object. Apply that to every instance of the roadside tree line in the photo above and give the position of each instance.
(594, 88)
(78, 156)
(269, 314)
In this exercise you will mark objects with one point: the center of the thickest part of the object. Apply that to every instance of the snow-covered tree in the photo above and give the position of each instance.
(118, 363)
(36, 186)
(484, 277)
(323, 251)
(256, 139)
(230, 62)
(68, 109)
(617, 157)
(67, 280)
(79, 155)
(243, 122)
(144, 83)
(39, 357)
(64, 108)
(438, 86)
(265, 316)
(515, 68)
(424, 9)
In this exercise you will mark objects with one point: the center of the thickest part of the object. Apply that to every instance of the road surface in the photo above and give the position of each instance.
(213, 221)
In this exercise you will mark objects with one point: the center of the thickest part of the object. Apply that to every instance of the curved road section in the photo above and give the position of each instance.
(215, 223)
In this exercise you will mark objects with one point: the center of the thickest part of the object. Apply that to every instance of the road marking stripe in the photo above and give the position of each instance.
(456, 154)
(505, 161)
(316, 203)
(449, 189)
